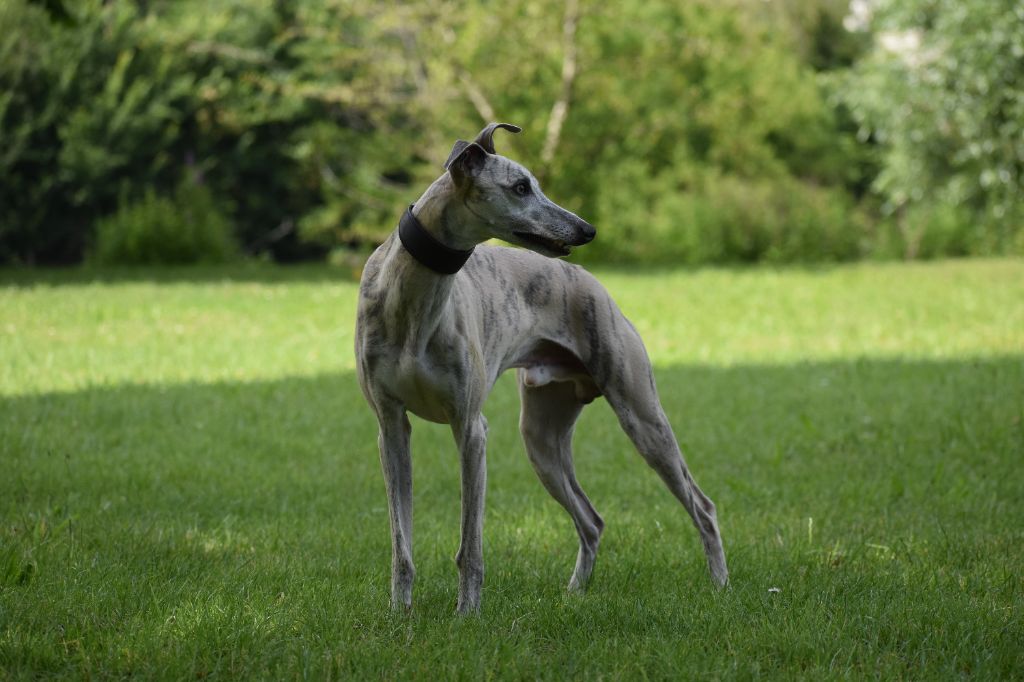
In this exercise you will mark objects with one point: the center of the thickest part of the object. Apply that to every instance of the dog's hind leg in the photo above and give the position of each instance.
(547, 420)
(631, 392)
(396, 462)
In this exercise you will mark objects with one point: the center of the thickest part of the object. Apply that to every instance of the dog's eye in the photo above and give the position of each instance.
(522, 188)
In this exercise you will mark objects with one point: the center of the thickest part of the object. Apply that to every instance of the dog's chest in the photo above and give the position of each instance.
(431, 375)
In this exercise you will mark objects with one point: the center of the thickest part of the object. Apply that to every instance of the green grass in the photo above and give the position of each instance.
(189, 486)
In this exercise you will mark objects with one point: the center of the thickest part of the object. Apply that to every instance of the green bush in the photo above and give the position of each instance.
(758, 131)
(943, 229)
(186, 228)
(728, 219)
(286, 106)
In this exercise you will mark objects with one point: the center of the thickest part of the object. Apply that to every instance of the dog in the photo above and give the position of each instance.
(441, 315)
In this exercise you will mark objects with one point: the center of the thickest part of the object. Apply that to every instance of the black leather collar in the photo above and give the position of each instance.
(423, 247)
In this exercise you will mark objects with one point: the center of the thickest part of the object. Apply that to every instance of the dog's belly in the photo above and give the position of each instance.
(544, 361)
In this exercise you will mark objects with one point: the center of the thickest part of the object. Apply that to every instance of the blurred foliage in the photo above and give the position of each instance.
(693, 132)
(185, 228)
(942, 96)
(279, 113)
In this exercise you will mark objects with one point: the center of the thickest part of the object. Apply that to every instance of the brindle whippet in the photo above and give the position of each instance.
(441, 317)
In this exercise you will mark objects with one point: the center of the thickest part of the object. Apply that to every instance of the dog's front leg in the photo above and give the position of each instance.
(396, 462)
(471, 437)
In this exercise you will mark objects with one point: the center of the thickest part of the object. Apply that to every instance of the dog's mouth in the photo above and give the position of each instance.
(544, 244)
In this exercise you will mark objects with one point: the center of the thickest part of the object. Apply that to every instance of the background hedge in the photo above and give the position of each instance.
(706, 131)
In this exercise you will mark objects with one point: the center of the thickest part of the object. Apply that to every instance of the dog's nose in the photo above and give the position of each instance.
(587, 232)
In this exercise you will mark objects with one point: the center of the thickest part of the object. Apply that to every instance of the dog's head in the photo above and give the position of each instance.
(507, 199)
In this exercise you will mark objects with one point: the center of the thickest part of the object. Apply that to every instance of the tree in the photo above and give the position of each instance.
(942, 94)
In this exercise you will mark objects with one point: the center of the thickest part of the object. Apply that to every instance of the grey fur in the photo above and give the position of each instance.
(435, 344)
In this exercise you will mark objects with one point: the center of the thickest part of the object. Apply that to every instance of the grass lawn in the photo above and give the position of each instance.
(189, 486)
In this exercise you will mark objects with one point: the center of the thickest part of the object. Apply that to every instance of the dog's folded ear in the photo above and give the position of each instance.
(457, 149)
(486, 137)
(466, 159)
(469, 157)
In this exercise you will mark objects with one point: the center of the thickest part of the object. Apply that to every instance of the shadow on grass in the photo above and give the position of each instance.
(240, 522)
(753, 434)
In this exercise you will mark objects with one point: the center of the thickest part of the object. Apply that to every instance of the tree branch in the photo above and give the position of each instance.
(476, 95)
(560, 109)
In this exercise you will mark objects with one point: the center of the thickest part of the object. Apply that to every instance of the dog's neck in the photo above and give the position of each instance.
(419, 297)
(443, 213)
